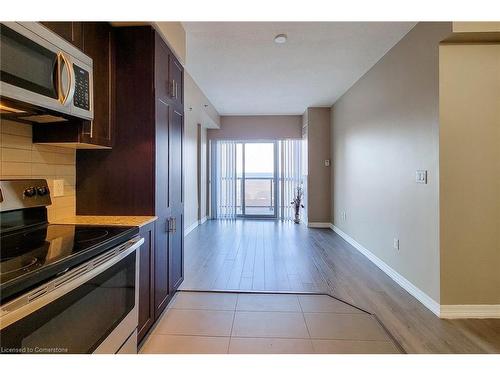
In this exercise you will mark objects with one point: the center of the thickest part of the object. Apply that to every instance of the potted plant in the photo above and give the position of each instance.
(297, 204)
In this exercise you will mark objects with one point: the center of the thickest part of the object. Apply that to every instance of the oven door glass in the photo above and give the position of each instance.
(26, 64)
(80, 320)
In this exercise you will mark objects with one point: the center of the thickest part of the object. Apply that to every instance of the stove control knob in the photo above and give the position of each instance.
(29, 192)
(42, 190)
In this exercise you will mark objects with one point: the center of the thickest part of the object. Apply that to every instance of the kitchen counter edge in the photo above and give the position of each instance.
(136, 221)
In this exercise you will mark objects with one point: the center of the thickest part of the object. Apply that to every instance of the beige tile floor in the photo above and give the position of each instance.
(204, 323)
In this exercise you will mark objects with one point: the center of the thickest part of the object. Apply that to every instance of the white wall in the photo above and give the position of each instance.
(196, 114)
(384, 129)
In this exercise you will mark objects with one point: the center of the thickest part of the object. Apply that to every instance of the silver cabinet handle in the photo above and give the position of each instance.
(171, 225)
(174, 89)
(91, 131)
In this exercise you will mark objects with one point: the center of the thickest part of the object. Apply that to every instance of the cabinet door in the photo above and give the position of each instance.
(146, 281)
(162, 89)
(71, 31)
(98, 44)
(162, 292)
(176, 251)
(176, 75)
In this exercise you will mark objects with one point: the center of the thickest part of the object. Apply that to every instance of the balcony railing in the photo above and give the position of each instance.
(259, 196)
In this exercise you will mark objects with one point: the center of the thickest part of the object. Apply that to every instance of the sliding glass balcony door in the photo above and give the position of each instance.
(256, 194)
(255, 179)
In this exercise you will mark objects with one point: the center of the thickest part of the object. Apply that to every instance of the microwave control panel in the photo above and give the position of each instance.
(82, 86)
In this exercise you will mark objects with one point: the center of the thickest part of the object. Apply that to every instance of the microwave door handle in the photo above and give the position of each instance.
(64, 97)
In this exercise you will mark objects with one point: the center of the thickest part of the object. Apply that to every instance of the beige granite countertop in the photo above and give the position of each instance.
(136, 221)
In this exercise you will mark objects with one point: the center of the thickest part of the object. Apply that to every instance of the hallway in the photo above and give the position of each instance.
(254, 255)
(275, 256)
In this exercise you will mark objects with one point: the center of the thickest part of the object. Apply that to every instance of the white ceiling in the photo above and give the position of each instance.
(242, 70)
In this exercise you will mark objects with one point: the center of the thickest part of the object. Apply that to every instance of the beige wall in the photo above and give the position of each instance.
(476, 27)
(196, 115)
(317, 120)
(258, 127)
(384, 129)
(20, 158)
(470, 174)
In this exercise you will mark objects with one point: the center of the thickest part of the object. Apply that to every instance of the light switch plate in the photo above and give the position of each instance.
(327, 162)
(58, 188)
(395, 244)
(421, 177)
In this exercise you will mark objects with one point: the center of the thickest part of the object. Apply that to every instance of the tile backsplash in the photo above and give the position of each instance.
(20, 158)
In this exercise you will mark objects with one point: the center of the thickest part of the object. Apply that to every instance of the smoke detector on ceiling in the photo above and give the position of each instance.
(280, 38)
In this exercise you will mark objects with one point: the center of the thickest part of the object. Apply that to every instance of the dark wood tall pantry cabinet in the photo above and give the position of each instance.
(142, 174)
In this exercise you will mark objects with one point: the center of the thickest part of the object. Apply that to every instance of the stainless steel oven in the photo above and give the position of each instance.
(41, 69)
(92, 308)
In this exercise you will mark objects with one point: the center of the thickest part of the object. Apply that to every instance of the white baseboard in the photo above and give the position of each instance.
(190, 228)
(470, 311)
(425, 299)
(317, 224)
(194, 225)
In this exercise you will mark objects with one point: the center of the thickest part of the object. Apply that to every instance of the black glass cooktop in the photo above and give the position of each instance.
(31, 256)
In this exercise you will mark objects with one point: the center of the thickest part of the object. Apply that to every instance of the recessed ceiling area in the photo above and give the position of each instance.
(242, 70)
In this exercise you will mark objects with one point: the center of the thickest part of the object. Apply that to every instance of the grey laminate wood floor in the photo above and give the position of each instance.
(252, 255)
(275, 256)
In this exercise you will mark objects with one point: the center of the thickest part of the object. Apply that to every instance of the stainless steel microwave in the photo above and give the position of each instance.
(41, 70)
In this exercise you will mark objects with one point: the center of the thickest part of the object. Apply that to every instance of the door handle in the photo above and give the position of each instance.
(173, 93)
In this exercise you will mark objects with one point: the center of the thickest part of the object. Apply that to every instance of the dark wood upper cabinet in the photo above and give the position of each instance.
(176, 79)
(71, 31)
(98, 44)
(162, 82)
(95, 39)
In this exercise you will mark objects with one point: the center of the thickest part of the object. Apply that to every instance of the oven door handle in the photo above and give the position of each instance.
(72, 279)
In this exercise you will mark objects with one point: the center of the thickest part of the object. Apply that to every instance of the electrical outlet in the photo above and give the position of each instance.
(343, 216)
(58, 188)
(395, 244)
